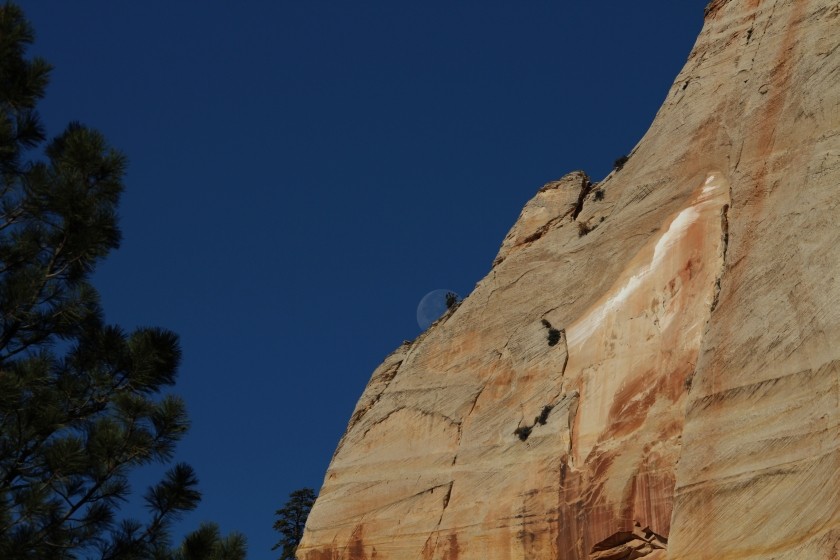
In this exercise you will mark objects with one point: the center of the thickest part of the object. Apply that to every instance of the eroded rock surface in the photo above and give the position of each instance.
(660, 382)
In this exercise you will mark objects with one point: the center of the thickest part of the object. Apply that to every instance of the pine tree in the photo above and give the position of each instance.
(291, 521)
(81, 401)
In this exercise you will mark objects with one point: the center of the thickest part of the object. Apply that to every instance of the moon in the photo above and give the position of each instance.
(431, 307)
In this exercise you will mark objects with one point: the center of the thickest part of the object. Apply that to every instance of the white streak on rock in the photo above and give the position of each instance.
(589, 323)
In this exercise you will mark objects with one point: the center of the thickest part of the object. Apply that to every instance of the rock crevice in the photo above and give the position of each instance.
(629, 545)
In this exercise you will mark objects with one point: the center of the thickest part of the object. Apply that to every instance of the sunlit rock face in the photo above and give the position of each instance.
(650, 369)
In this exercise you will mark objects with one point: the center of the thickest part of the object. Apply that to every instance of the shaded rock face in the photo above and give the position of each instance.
(651, 369)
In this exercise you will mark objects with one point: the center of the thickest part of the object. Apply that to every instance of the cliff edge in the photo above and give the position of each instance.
(651, 369)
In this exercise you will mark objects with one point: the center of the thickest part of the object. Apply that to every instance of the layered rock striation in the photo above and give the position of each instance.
(651, 369)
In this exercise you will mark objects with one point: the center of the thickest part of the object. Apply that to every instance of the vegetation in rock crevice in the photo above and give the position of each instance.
(554, 335)
(619, 163)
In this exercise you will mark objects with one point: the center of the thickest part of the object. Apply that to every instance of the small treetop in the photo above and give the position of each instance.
(292, 520)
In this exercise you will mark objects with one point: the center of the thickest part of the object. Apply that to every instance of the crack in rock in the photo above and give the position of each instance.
(629, 545)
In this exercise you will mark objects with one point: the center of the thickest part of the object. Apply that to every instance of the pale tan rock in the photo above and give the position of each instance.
(665, 386)
(554, 201)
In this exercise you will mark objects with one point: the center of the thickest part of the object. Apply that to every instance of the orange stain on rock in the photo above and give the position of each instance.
(630, 356)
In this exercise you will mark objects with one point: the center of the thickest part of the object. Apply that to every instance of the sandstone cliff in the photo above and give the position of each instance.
(650, 369)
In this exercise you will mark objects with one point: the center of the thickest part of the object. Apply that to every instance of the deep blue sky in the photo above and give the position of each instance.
(303, 172)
